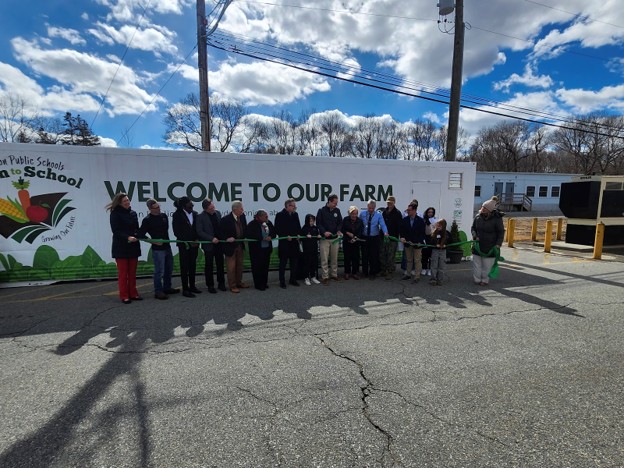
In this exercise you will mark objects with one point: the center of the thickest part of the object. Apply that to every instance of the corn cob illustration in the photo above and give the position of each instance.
(13, 210)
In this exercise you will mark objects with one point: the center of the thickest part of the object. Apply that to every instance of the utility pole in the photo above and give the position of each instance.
(202, 64)
(456, 82)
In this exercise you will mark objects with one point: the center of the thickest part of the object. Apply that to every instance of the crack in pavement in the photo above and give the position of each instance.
(442, 420)
(272, 446)
(366, 391)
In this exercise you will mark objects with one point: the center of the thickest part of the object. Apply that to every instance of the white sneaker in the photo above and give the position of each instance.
(307, 282)
(315, 281)
(424, 272)
(428, 272)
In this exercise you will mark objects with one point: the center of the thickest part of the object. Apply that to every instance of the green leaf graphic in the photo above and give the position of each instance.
(45, 258)
(29, 233)
(90, 258)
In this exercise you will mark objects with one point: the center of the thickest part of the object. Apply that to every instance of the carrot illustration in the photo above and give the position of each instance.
(22, 193)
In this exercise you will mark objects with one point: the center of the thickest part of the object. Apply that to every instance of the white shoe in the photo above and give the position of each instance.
(424, 272)
(428, 272)
(307, 282)
(315, 281)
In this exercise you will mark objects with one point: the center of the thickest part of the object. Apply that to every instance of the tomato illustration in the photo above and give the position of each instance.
(36, 214)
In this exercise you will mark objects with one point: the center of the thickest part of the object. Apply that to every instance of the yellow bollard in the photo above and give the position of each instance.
(600, 228)
(548, 237)
(506, 230)
(510, 232)
(560, 229)
(534, 230)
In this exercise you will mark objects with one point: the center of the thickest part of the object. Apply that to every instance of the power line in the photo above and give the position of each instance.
(120, 63)
(334, 70)
(589, 20)
(156, 95)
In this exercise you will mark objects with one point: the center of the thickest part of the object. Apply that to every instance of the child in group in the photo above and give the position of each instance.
(439, 239)
(310, 249)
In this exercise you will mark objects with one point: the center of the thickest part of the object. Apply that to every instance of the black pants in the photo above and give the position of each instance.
(351, 254)
(260, 259)
(370, 255)
(188, 265)
(214, 256)
(290, 256)
(426, 258)
(310, 260)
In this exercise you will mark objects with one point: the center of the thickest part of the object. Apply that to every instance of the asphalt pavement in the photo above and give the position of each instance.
(528, 371)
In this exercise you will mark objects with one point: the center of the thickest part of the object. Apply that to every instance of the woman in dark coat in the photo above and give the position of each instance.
(489, 231)
(352, 228)
(262, 231)
(126, 249)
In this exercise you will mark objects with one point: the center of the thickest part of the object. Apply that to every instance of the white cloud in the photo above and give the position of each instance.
(70, 35)
(155, 39)
(81, 75)
(264, 83)
(528, 79)
(472, 120)
(585, 101)
(129, 10)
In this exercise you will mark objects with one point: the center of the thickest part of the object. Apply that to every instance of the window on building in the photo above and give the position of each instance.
(554, 192)
(543, 191)
(477, 190)
(530, 191)
(455, 180)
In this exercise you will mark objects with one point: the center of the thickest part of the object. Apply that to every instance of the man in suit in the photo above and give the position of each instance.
(209, 231)
(184, 223)
(287, 224)
(233, 228)
(412, 232)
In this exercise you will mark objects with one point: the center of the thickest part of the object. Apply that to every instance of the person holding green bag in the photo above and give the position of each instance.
(488, 233)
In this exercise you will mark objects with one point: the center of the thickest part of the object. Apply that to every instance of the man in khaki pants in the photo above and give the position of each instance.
(329, 220)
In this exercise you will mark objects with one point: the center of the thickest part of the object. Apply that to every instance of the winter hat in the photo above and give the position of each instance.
(489, 205)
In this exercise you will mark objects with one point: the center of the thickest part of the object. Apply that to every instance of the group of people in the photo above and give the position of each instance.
(369, 239)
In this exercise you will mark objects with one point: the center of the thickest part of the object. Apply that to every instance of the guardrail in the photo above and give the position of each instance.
(511, 228)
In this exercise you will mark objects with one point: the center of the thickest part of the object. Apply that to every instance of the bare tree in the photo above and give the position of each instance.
(334, 130)
(594, 142)
(182, 124)
(15, 119)
(226, 117)
(365, 137)
(502, 147)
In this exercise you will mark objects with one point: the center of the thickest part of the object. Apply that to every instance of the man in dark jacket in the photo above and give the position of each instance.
(209, 231)
(184, 228)
(329, 220)
(156, 224)
(287, 224)
(233, 227)
(393, 217)
(412, 233)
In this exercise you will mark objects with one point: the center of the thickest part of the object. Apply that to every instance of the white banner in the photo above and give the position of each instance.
(53, 224)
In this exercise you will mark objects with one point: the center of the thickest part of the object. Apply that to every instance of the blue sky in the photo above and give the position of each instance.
(557, 56)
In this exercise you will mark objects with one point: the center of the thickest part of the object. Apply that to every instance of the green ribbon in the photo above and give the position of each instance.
(493, 252)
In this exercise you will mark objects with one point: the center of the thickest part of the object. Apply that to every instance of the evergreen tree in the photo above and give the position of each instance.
(77, 132)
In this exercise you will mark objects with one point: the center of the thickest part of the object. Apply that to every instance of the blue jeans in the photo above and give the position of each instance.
(163, 269)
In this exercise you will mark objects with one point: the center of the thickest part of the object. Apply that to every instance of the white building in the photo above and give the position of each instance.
(521, 191)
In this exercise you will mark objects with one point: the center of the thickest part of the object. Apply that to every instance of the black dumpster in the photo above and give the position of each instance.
(589, 200)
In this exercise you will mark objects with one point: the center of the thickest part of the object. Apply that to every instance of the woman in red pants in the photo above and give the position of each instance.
(126, 248)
